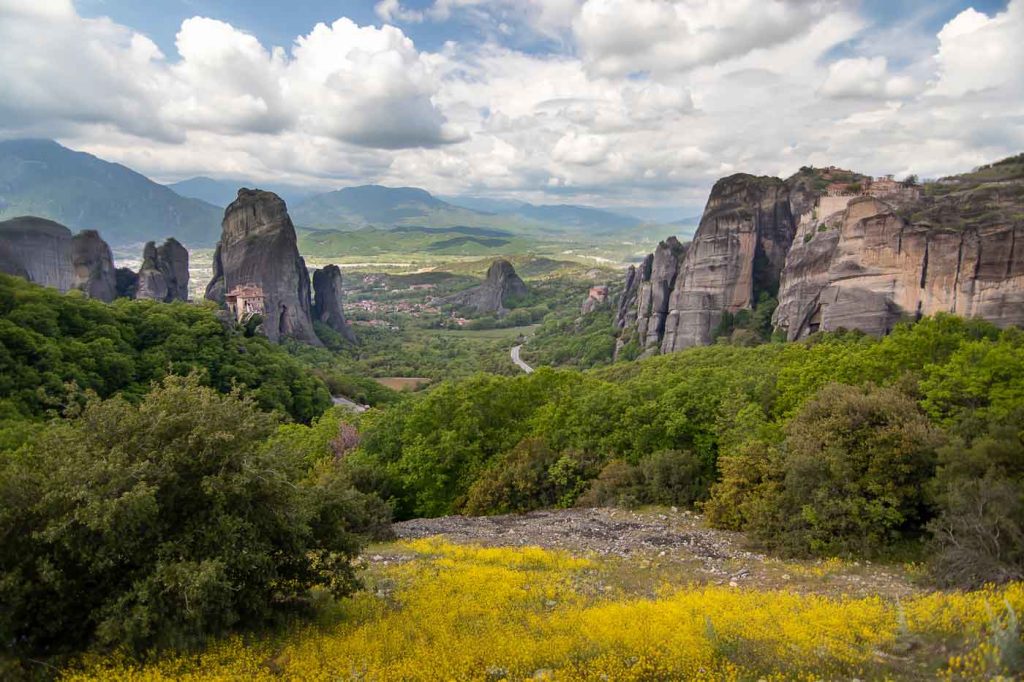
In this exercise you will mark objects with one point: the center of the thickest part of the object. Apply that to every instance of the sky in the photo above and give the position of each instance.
(614, 103)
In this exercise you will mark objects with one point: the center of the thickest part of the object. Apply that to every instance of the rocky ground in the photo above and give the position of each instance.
(646, 548)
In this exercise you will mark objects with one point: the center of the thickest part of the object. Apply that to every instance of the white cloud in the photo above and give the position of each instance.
(625, 102)
(61, 70)
(863, 77)
(629, 36)
(392, 11)
(368, 86)
(977, 52)
(358, 84)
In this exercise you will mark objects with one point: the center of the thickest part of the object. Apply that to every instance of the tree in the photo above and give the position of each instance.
(979, 492)
(164, 523)
(855, 465)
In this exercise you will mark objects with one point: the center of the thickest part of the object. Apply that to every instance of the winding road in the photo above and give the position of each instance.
(518, 360)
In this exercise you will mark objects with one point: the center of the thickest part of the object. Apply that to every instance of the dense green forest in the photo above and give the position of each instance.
(165, 478)
(157, 482)
(841, 444)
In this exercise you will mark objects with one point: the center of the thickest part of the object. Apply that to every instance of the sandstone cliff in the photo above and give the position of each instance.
(327, 298)
(164, 272)
(38, 250)
(839, 250)
(46, 253)
(501, 287)
(872, 268)
(736, 255)
(258, 247)
(93, 266)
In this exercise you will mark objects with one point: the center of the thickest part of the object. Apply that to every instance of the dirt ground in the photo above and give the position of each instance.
(641, 550)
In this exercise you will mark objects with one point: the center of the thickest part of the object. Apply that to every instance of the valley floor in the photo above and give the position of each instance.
(607, 594)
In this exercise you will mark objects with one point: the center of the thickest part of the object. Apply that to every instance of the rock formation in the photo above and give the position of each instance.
(93, 266)
(38, 250)
(327, 298)
(871, 268)
(736, 254)
(258, 247)
(46, 253)
(150, 283)
(839, 250)
(597, 296)
(501, 287)
(164, 272)
(625, 315)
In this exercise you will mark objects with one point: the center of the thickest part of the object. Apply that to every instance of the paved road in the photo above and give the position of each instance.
(342, 400)
(519, 361)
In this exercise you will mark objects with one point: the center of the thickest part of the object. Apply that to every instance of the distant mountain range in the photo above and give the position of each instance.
(222, 192)
(42, 178)
(373, 205)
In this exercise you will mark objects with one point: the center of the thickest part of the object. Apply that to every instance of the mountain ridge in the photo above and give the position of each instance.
(43, 178)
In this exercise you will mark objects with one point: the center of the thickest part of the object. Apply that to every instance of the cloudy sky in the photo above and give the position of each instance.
(605, 102)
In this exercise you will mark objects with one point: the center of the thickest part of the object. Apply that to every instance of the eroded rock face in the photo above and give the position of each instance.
(258, 247)
(874, 269)
(38, 250)
(652, 306)
(839, 257)
(151, 284)
(172, 260)
(46, 253)
(627, 306)
(164, 272)
(736, 254)
(501, 286)
(327, 301)
(93, 265)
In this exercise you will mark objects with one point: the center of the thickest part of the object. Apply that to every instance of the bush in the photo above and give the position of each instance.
(620, 484)
(164, 523)
(676, 477)
(855, 465)
(669, 477)
(530, 476)
(979, 493)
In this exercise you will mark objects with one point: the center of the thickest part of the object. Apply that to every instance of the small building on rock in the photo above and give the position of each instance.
(244, 301)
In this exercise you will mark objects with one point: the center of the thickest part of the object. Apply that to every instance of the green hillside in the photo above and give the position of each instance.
(42, 178)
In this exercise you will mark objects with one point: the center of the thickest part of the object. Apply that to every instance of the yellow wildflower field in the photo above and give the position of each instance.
(460, 612)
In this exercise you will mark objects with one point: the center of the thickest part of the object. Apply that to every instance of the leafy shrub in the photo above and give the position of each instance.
(747, 495)
(855, 465)
(669, 477)
(979, 492)
(530, 476)
(620, 484)
(676, 477)
(166, 522)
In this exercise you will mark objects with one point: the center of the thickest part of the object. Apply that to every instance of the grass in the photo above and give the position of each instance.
(435, 610)
(488, 334)
(403, 383)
